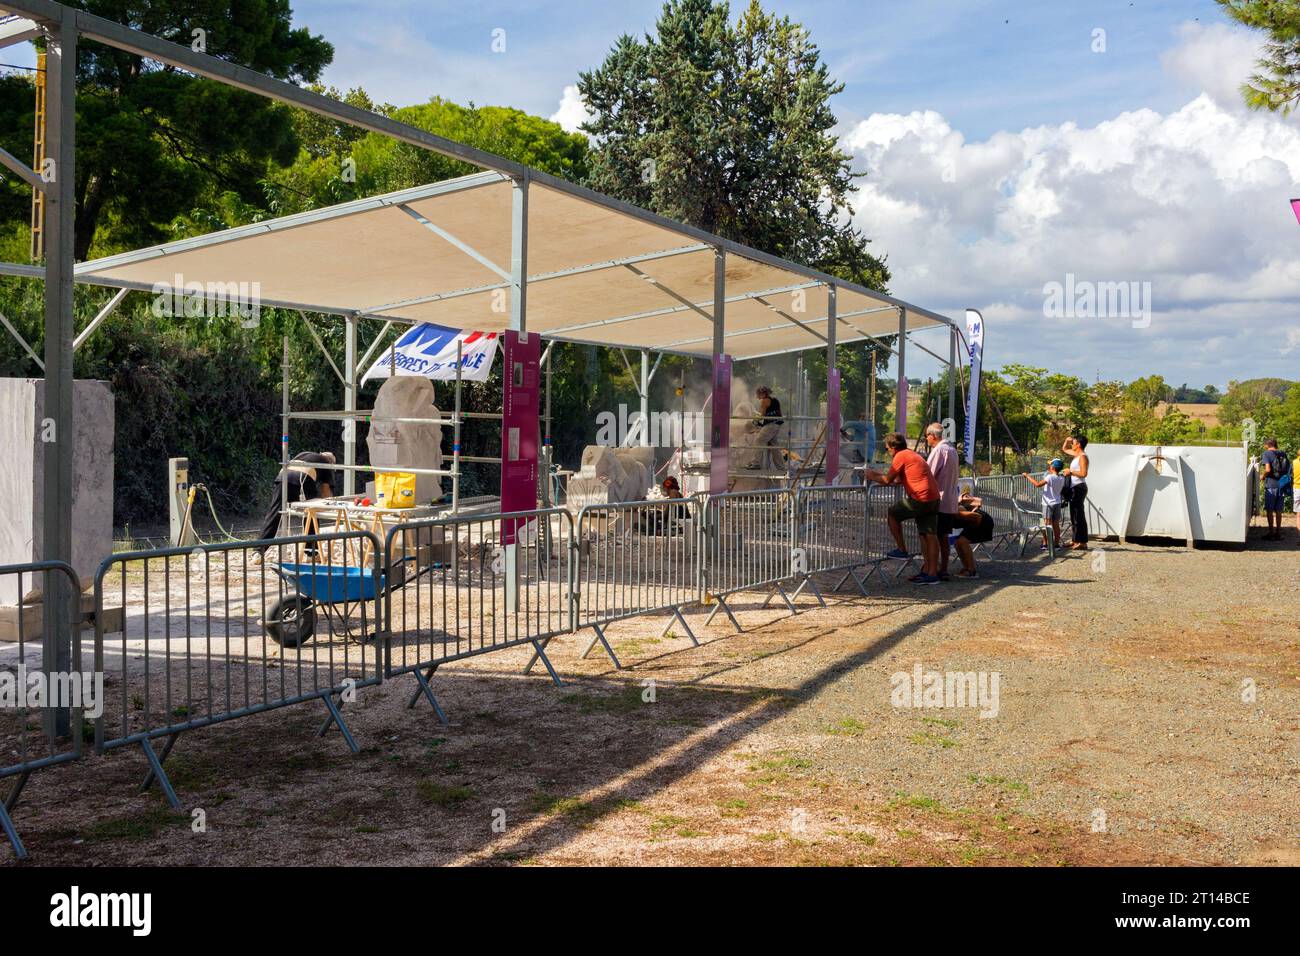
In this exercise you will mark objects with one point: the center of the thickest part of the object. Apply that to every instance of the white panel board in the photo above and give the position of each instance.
(1138, 490)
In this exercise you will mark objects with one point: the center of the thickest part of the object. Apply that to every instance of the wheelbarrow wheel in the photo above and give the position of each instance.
(290, 622)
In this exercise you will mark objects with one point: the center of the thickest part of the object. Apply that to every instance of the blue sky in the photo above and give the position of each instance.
(1003, 153)
(985, 65)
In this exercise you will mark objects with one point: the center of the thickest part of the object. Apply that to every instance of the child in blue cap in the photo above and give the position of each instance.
(1052, 483)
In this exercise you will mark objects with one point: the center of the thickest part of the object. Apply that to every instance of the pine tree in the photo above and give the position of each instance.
(728, 127)
(1276, 86)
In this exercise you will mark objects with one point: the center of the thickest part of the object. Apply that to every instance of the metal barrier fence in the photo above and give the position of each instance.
(41, 706)
(637, 558)
(880, 498)
(473, 584)
(831, 534)
(1016, 507)
(213, 633)
(748, 542)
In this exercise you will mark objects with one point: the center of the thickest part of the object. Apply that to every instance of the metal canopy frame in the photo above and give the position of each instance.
(499, 168)
(62, 26)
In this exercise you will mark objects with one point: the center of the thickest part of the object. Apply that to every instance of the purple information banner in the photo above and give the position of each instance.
(720, 432)
(519, 423)
(832, 426)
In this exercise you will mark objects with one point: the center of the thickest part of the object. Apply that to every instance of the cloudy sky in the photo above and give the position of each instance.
(1006, 147)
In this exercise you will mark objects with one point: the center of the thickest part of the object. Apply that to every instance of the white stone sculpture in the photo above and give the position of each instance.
(398, 446)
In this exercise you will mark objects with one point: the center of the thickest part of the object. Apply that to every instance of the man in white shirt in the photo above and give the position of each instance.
(944, 466)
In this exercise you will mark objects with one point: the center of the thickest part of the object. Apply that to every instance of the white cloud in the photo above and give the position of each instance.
(1214, 59)
(572, 112)
(1193, 201)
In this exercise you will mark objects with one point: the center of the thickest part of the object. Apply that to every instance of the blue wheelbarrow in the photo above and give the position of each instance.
(332, 589)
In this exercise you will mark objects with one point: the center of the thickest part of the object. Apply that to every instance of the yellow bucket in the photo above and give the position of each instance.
(395, 489)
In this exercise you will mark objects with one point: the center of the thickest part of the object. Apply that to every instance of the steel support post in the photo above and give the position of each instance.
(520, 418)
(645, 397)
(952, 380)
(349, 403)
(900, 404)
(286, 520)
(832, 394)
(58, 427)
(719, 439)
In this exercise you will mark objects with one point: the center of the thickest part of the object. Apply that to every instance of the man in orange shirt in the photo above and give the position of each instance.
(921, 504)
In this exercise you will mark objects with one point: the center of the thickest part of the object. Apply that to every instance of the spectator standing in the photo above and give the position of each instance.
(1277, 469)
(943, 465)
(1077, 472)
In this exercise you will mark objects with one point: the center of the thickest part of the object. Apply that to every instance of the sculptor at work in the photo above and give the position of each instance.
(768, 421)
(305, 481)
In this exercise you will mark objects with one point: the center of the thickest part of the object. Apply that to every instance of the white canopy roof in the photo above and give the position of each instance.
(600, 271)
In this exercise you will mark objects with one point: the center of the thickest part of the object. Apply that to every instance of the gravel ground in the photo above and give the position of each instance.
(1146, 713)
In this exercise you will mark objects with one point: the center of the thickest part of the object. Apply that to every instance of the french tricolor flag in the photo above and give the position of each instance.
(430, 350)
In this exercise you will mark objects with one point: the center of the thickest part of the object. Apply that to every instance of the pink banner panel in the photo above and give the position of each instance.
(519, 423)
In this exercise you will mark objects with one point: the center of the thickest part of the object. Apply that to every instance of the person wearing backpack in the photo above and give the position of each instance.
(1277, 481)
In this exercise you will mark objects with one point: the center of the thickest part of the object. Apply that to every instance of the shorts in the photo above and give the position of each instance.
(945, 525)
(980, 533)
(925, 513)
(1052, 512)
(1273, 499)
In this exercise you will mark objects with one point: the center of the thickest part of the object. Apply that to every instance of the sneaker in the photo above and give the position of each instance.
(926, 579)
(898, 553)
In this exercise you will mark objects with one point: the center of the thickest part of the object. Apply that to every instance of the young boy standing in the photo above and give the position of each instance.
(1051, 484)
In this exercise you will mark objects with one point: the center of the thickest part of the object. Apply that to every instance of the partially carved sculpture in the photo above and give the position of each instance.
(399, 446)
(611, 475)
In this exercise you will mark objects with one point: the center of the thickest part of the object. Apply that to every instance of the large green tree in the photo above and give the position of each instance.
(154, 141)
(336, 162)
(1276, 85)
(727, 125)
(1244, 399)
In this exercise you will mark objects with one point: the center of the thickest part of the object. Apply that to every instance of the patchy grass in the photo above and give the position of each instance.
(678, 825)
(442, 795)
(1002, 783)
(930, 740)
(848, 727)
(579, 810)
(940, 722)
(139, 825)
(777, 768)
(624, 702)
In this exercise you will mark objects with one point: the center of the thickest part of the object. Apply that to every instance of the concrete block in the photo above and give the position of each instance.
(33, 616)
(22, 412)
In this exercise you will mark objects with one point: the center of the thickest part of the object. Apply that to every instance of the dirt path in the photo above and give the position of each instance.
(1157, 723)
